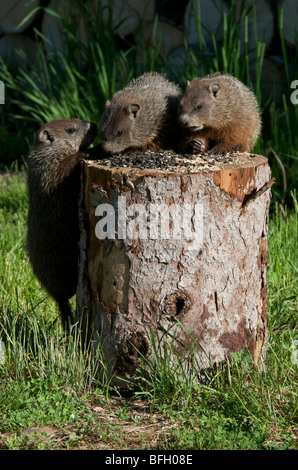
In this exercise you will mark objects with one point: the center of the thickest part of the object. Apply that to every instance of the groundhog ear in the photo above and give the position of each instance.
(134, 109)
(187, 83)
(214, 88)
(108, 103)
(45, 136)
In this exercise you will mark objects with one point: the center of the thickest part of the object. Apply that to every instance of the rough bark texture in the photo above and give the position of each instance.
(205, 301)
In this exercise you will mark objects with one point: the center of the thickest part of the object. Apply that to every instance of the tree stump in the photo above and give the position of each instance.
(174, 247)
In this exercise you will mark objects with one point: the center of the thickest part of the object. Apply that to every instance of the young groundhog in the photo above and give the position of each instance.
(220, 114)
(142, 116)
(53, 224)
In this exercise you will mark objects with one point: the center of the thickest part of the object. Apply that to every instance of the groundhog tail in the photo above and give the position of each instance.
(66, 313)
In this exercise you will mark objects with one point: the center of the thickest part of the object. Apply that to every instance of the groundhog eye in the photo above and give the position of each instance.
(119, 132)
(199, 106)
(70, 130)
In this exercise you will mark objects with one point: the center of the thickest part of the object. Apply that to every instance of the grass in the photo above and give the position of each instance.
(50, 397)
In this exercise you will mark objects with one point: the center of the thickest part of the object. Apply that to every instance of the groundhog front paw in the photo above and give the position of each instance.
(66, 165)
(197, 145)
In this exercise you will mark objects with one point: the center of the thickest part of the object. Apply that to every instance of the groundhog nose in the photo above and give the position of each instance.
(183, 120)
(105, 145)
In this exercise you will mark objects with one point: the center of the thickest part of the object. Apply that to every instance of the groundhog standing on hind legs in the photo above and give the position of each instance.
(53, 223)
(220, 114)
(143, 116)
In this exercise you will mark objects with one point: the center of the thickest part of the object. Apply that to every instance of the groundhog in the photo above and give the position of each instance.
(53, 225)
(142, 116)
(220, 114)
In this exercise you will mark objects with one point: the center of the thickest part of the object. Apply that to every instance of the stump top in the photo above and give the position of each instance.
(166, 162)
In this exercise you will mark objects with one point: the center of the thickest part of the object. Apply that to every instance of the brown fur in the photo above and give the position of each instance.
(53, 186)
(228, 118)
(142, 116)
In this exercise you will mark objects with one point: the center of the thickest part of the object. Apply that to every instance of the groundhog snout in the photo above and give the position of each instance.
(105, 145)
(183, 120)
(108, 146)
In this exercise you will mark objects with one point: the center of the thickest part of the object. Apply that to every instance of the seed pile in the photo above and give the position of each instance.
(167, 160)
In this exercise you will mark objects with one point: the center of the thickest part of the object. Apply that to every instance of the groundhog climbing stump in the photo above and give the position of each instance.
(173, 249)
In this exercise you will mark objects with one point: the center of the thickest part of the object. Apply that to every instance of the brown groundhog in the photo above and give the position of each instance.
(53, 224)
(142, 116)
(220, 115)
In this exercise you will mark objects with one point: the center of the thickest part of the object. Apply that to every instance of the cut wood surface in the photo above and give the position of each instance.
(200, 288)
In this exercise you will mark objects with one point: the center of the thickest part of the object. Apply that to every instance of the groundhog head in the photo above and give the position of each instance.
(64, 136)
(59, 146)
(199, 105)
(117, 126)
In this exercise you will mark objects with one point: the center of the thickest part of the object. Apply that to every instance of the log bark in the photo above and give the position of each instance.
(200, 288)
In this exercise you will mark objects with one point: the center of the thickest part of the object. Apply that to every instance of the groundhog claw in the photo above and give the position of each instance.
(197, 146)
